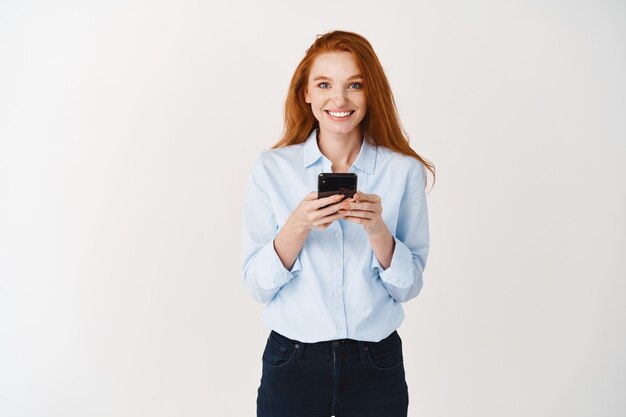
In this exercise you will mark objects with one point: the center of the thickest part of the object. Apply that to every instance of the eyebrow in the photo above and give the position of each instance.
(322, 77)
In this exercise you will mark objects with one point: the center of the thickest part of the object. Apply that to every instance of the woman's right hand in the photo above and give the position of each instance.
(311, 213)
(314, 213)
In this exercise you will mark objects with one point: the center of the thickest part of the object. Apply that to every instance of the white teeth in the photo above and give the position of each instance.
(340, 113)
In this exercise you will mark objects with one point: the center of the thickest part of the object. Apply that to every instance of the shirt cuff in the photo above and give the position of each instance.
(271, 272)
(400, 272)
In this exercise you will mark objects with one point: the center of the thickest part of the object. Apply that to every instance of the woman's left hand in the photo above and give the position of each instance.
(367, 210)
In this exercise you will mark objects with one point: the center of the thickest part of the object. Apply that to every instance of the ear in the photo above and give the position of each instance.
(307, 97)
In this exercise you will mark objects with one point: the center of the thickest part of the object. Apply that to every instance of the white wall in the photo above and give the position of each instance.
(127, 131)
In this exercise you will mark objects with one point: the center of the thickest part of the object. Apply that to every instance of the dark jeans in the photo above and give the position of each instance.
(344, 378)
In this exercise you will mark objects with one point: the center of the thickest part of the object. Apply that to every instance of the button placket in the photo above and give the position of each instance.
(338, 273)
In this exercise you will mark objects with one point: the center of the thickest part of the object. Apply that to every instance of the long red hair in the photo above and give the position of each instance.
(381, 121)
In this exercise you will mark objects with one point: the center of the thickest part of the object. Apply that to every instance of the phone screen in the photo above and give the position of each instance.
(341, 183)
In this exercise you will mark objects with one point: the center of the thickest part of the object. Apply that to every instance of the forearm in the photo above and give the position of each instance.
(383, 245)
(289, 242)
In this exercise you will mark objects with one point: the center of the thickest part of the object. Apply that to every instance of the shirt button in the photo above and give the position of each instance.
(337, 234)
(340, 326)
(336, 264)
(338, 294)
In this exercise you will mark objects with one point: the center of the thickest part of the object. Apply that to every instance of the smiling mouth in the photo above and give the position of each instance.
(339, 114)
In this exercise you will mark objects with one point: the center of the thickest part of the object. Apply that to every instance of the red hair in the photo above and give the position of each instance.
(381, 121)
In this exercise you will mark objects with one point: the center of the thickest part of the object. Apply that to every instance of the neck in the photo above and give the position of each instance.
(341, 149)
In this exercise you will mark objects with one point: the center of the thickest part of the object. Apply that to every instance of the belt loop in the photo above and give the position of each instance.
(362, 349)
(300, 349)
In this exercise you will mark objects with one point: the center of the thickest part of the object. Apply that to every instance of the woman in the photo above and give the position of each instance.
(335, 271)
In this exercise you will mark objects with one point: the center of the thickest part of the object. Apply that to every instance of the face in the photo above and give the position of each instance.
(335, 93)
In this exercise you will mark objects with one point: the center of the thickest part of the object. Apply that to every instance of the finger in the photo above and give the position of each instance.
(328, 211)
(372, 198)
(360, 206)
(311, 196)
(327, 220)
(358, 220)
(321, 202)
(347, 201)
(316, 216)
(357, 213)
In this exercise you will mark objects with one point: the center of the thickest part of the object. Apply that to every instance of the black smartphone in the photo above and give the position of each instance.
(330, 184)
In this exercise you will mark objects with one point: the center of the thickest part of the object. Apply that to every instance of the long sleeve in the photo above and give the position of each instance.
(404, 277)
(263, 272)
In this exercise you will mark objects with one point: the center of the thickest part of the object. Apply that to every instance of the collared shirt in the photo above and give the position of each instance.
(336, 288)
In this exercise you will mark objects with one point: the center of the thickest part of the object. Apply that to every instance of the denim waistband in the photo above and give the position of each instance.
(344, 345)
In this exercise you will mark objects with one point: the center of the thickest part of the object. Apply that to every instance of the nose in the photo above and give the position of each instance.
(340, 97)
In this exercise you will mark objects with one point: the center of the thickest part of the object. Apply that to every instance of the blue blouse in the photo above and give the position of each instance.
(336, 288)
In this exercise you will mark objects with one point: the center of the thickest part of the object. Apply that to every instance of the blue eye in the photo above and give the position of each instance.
(323, 85)
(356, 86)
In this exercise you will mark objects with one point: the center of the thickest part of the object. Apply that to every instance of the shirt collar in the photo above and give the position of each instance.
(365, 161)
(311, 152)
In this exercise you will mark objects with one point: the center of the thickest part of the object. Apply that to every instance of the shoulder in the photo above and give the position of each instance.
(398, 163)
(278, 158)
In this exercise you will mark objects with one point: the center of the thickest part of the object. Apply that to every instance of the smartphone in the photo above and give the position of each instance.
(330, 184)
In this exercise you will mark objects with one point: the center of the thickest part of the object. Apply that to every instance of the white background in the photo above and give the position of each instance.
(127, 132)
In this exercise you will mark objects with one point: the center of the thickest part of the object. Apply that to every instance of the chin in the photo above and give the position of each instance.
(343, 131)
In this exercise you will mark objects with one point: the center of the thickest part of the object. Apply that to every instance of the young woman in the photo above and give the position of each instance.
(334, 272)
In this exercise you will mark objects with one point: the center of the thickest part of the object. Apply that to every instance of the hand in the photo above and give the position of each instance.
(314, 213)
(365, 209)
